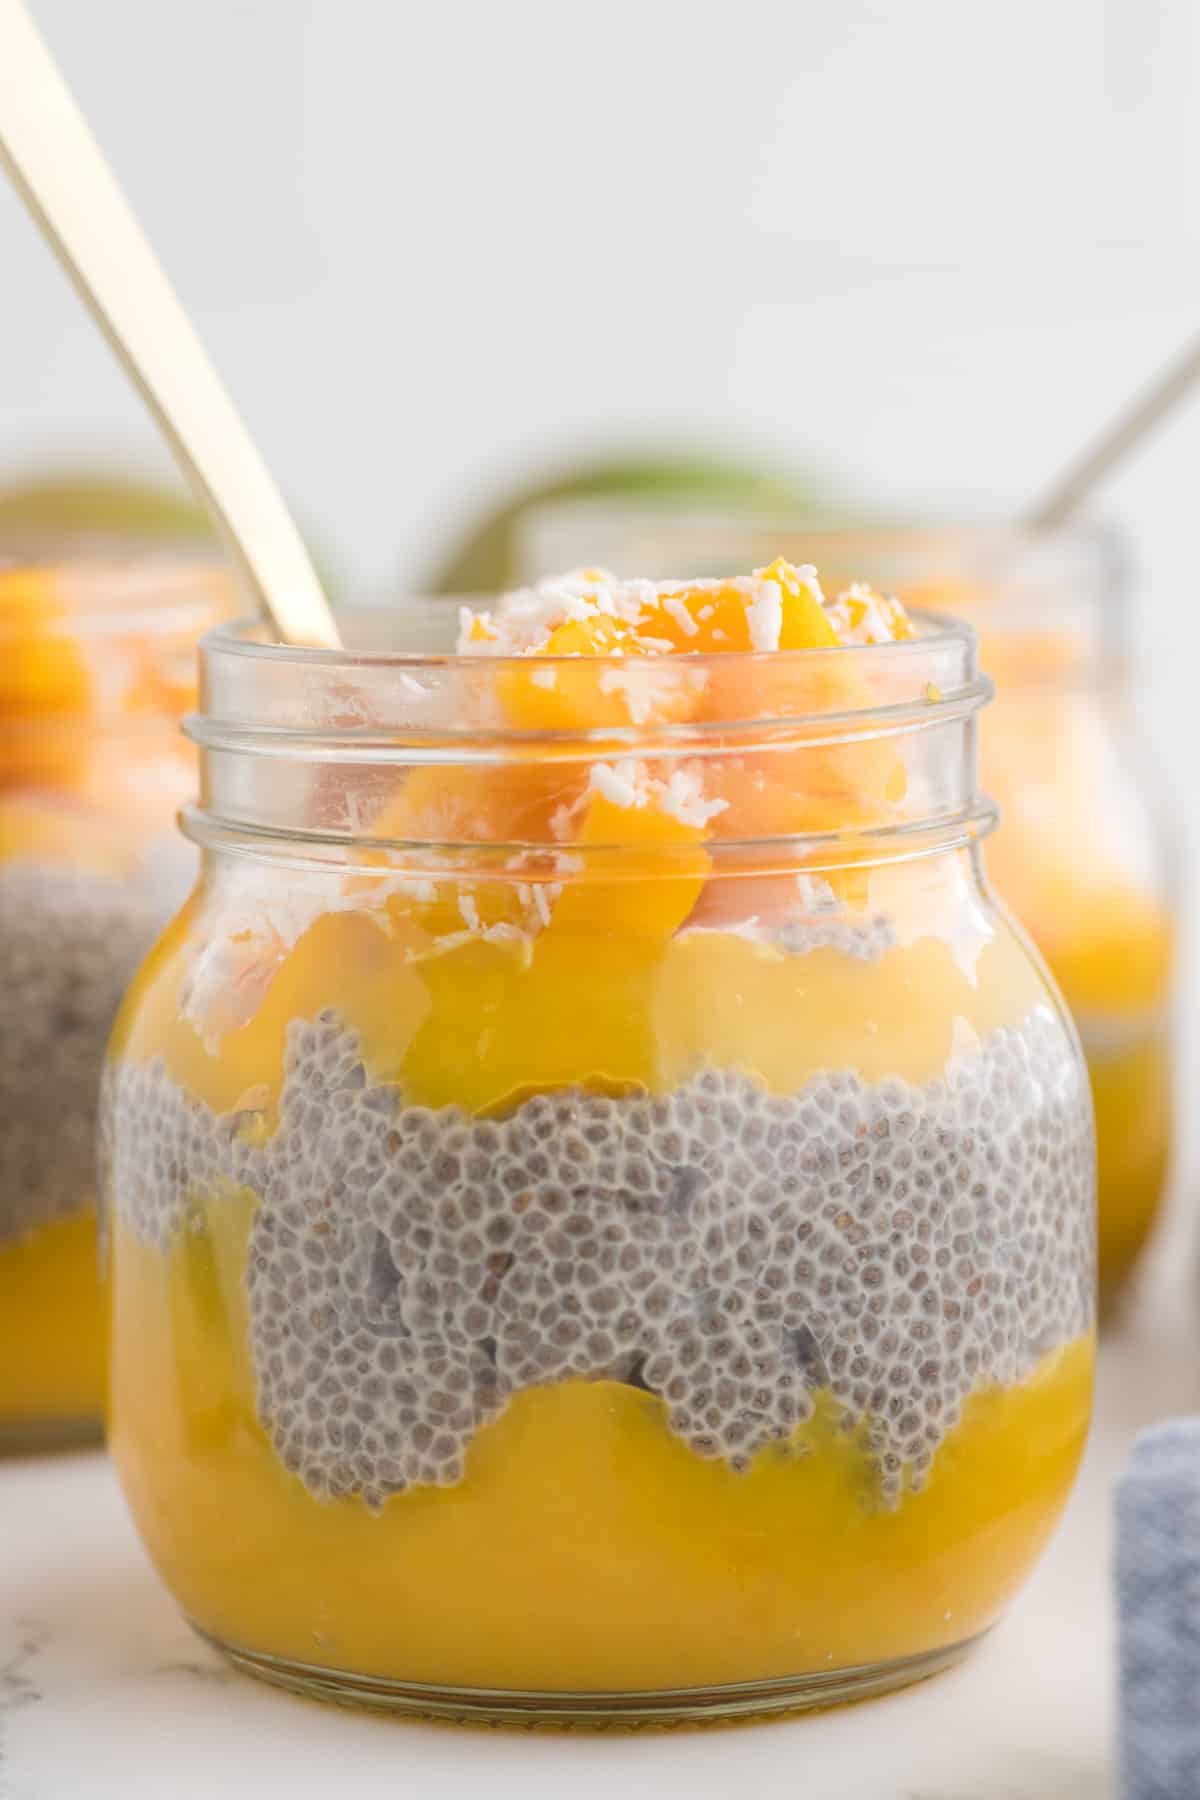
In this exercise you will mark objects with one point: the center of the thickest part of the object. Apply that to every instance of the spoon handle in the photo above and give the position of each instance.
(1073, 488)
(60, 173)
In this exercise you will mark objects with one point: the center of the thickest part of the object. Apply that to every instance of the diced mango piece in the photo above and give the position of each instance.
(860, 615)
(780, 609)
(608, 681)
(519, 803)
(804, 624)
(596, 655)
(644, 876)
(41, 669)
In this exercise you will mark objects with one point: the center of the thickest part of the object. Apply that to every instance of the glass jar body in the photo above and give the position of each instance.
(607, 1317)
(92, 772)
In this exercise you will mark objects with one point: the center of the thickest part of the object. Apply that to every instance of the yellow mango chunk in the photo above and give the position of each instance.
(41, 670)
(514, 804)
(861, 615)
(645, 883)
(593, 656)
(780, 609)
(609, 681)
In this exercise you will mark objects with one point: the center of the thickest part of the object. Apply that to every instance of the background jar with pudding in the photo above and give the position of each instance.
(595, 1186)
(1087, 853)
(96, 664)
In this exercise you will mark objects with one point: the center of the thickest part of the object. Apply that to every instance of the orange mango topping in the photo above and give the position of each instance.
(586, 652)
(777, 608)
(558, 845)
(43, 678)
(862, 616)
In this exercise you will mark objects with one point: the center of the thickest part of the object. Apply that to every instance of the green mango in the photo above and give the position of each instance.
(51, 514)
(84, 504)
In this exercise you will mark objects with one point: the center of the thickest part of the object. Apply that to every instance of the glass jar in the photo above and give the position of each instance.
(96, 662)
(600, 1212)
(1087, 854)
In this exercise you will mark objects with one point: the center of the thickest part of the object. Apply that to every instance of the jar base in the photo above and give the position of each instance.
(595, 1710)
(31, 1437)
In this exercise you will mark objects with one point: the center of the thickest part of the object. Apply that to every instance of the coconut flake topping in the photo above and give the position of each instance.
(524, 621)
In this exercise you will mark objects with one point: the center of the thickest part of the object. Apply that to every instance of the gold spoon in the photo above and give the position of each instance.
(60, 173)
(1126, 431)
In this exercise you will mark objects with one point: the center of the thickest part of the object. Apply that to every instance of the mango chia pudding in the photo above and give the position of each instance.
(1085, 855)
(1089, 875)
(95, 666)
(600, 1202)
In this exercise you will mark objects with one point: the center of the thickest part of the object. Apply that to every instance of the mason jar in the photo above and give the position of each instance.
(96, 660)
(599, 1199)
(1087, 851)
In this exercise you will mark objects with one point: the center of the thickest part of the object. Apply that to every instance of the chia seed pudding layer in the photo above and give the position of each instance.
(70, 943)
(732, 1251)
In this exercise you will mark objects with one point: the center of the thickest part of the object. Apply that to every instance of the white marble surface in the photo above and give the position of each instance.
(106, 1695)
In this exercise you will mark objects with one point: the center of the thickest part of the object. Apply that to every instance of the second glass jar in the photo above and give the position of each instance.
(97, 660)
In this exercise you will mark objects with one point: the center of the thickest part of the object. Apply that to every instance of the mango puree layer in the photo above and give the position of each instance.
(586, 1547)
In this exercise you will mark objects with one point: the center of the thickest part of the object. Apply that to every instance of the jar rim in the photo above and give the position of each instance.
(302, 745)
(246, 636)
(934, 678)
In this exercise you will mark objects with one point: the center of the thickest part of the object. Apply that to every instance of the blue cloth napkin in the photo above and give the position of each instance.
(1158, 1600)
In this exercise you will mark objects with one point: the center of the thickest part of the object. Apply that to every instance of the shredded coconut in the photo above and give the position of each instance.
(469, 911)
(816, 895)
(524, 620)
(243, 933)
(872, 627)
(575, 607)
(764, 615)
(642, 685)
(681, 615)
(807, 576)
(617, 783)
(423, 892)
(683, 798)
(544, 678)
(502, 933)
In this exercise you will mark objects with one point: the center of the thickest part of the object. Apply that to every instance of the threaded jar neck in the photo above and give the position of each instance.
(306, 752)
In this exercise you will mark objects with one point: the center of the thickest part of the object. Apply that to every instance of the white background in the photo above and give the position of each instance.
(434, 247)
